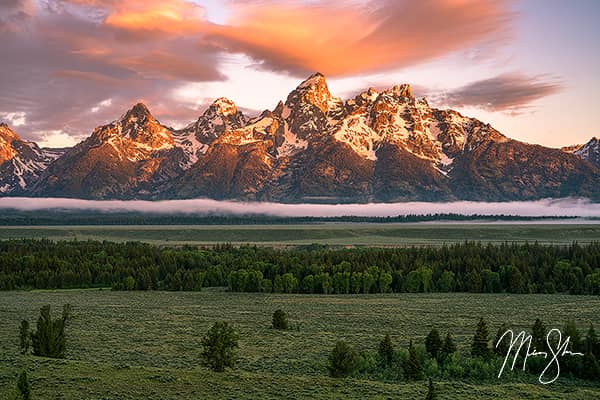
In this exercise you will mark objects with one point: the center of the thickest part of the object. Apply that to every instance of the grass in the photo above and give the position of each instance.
(133, 345)
(328, 233)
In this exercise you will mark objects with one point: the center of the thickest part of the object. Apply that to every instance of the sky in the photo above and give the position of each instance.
(528, 67)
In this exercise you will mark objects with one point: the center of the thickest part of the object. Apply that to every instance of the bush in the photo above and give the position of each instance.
(49, 339)
(220, 344)
(280, 320)
(431, 391)
(343, 360)
(24, 337)
(23, 388)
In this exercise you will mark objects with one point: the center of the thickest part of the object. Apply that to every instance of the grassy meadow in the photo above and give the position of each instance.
(133, 345)
(359, 234)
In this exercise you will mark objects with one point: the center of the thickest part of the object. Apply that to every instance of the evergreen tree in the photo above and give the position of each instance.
(24, 337)
(219, 347)
(538, 336)
(413, 368)
(431, 395)
(23, 388)
(433, 343)
(49, 339)
(591, 342)
(480, 346)
(280, 320)
(449, 347)
(570, 330)
(591, 369)
(386, 351)
(343, 360)
(501, 347)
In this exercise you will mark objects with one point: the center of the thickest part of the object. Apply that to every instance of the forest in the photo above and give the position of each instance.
(11, 217)
(466, 267)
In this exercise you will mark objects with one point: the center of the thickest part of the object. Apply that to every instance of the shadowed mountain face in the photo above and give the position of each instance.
(314, 147)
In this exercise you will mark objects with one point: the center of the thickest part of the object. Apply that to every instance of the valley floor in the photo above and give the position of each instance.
(134, 345)
(342, 234)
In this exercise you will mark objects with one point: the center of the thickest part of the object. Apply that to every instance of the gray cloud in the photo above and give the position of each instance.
(60, 59)
(508, 92)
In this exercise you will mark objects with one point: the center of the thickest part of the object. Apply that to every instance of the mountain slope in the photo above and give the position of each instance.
(129, 158)
(380, 146)
(589, 151)
(21, 162)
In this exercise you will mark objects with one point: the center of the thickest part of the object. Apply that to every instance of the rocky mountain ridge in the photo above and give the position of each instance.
(380, 146)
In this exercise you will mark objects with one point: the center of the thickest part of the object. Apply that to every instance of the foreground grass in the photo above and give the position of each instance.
(138, 345)
(366, 234)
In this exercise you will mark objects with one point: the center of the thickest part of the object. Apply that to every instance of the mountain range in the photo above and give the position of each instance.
(380, 146)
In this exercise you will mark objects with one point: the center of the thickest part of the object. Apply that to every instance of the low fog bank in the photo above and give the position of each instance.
(540, 208)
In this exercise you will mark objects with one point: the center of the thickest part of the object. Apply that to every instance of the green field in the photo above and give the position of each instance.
(366, 234)
(146, 345)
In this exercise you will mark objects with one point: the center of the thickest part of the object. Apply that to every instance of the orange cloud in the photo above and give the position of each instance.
(173, 16)
(343, 38)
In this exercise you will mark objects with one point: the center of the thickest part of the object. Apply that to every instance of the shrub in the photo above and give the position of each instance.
(386, 351)
(24, 337)
(343, 360)
(23, 388)
(500, 347)
(220, 344)
(431, 391)
(280, 320)
(49, 339)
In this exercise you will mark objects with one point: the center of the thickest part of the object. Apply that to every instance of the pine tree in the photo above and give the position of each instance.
(413, 368)
(23, 388)
(220, 344)
(480, 347)
(501, 347)
(538, 335)
(49, 339)
(449, 347)
(24, 337)
(433, 343)
(386, 351)
(591, 342)
(570, 330)
(431, 395)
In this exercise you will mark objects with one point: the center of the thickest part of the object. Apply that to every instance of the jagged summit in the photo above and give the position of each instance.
(224, 106)
(139, 111)
(312, 91)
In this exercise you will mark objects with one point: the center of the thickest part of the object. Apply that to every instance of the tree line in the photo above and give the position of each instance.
(464, 267)
(11, 217)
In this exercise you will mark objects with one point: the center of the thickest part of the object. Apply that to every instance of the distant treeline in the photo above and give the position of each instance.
(10, 217)
(466, 267)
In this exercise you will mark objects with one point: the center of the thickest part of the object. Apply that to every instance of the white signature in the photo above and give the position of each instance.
(523, 340)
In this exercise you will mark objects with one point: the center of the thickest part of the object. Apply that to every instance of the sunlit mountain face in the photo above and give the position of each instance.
(314, 147)
(438, 100)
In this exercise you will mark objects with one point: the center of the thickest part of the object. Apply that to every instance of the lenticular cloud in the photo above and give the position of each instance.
(546, 207)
